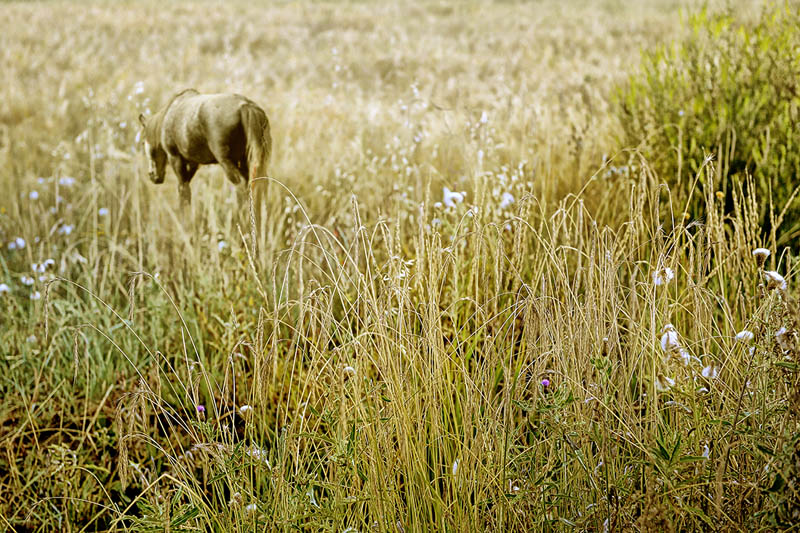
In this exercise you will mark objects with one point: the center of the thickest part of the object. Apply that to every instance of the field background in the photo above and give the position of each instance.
(409, 366)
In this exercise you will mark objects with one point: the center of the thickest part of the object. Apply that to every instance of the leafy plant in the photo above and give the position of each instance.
(730, 90)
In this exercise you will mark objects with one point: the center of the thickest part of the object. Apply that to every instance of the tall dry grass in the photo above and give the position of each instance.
(380, 360)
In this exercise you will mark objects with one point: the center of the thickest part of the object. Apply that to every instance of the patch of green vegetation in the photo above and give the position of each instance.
(730, 89)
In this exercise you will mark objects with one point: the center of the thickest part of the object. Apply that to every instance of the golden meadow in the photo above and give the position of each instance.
(468, 302)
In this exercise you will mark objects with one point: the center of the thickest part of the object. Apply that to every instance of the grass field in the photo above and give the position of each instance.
(553, 348)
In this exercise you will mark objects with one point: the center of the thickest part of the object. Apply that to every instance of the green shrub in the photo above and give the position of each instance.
(731, 90)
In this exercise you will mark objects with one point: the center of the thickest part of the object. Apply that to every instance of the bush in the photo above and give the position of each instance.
(729, 90)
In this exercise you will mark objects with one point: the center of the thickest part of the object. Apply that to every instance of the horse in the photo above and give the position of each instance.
(196, 129)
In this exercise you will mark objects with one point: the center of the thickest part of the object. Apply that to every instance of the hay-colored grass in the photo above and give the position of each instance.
(380, 360)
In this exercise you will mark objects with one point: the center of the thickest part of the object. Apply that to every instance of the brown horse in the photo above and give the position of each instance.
(203, 129)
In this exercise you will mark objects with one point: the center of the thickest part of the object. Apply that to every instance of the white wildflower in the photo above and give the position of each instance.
(782, 336)
(103, 212)
(484, 117)
(745, 336)
(451, 198)
(19, 244)
(664, 383)
(4, 288)
(245, 410)
(706, 451)
(455, 467)
(250, 508)
(710, 372)
(259, 455)
(66, 229)
(33, 195)
(311, 499)
(66, 181)
(36, 295)
(349, 371)
(761, 255)
(663, 276)
(506, 200)
(669, 339)
(221, 245)
(236, 499)
(31, 339)
(26, 280)
(437, 205)
(775, 280)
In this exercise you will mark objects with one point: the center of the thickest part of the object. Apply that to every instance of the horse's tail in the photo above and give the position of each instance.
(259, 140)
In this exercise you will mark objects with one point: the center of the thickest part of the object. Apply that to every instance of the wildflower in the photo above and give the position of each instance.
(452, 198)
(761, 255)
(669, 339)
(455, 466)
(506, 200)
(685, 356)
(349, 371)
(311, 499)
(66, 229)
(17, 244)
(33, 195)
(31, 339)
(250, 508)
(201, 409)
(775, 280)
(36, 295)
(236, 499)
(484, 117)
(138, 87)
(221, 245)
(4, 288)
(710, 372)
(545, 383)
(706, 451)
(26, 280)
(745, 336)
(66, 181)
(259, 455)
(437, 205)
(664, 383)
(782, 336)
(103, 212)
(664, 276)
(245, 410)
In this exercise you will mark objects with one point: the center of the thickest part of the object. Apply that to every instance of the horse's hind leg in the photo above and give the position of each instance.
(232, 171)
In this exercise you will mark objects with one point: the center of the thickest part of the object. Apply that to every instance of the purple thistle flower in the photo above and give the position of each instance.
(201, 408)
(545, 383)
